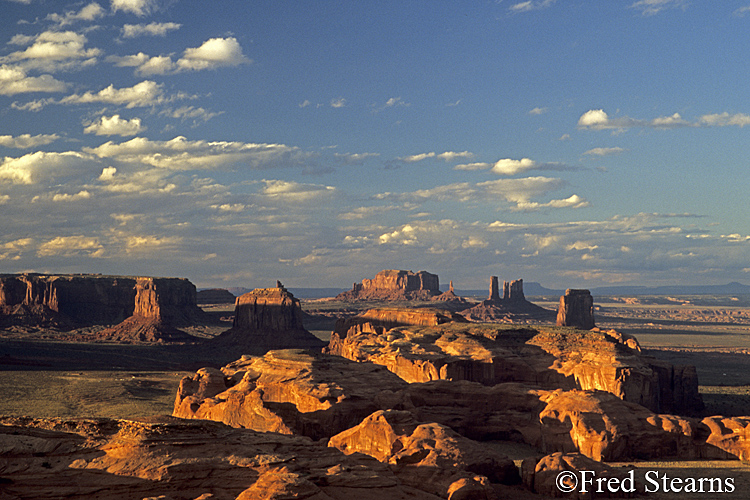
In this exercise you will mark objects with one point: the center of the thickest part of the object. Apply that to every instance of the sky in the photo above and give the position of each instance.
(574, 143)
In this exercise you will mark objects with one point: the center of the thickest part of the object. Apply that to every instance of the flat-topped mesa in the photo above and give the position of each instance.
(382, 319)
(215, 296)
(576, 309)
(267, 318)
(394, 284)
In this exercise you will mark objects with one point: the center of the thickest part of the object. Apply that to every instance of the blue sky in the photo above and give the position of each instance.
(573, 143)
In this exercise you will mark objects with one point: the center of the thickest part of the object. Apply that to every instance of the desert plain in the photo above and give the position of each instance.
(58, 379)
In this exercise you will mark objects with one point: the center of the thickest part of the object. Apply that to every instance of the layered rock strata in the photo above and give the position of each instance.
(265, 319)
(549, 358)
(576, 309)
(319, 396)
(395, 285)
(144, 308)
(172, 459)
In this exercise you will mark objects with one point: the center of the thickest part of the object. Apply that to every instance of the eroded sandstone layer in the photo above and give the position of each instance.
(215, 296)
(547, 357)
(395, 285)
(102, 459)
(143, 308)
(265, 319)
(320, 396)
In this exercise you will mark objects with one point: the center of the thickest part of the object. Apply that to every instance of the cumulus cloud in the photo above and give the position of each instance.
(14, 80)
(81, 195)
(39, 166)
(70, 246)
(151, 29)
(338, 102)
(473, 166)
(25, 141)
(137, 7)
(89, 12)
(53, 51)
(598, 119)
(143, 94)
(181, 154)
(114, 125)
(214, 53)
(508, 166)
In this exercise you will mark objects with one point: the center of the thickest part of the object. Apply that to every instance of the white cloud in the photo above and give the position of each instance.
(538, 111)
(214, 53)
(473, 166)
(508, 166)
(137, 7)
(145, 93)
(108, 173)
(25, 141)
(573, 201)
(530, 5)
(598, 119)
(114, 125)
(89, 12)
(146, 243)
(53, 51)
(13, 80)
(182, 154)
(725, 119)
(604, 151)
(70, 246)
(151, 29)
(291, 191)
(191, 112)
(338, 103)
(651, 7)
(446, 156)
(81, 195)
(36, 167)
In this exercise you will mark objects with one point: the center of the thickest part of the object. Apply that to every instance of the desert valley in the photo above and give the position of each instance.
(139, 387)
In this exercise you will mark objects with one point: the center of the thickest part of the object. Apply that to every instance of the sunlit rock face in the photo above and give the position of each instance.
(394, 284)
(266, 319)
(547, 357)
(576, 309)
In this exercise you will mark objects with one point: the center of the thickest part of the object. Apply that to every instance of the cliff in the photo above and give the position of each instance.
(215, 296)
(395, 285)
(139, 306)
(576, 309)
(264, 319)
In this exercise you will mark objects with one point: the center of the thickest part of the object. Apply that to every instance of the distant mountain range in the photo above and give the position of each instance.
(533, 289)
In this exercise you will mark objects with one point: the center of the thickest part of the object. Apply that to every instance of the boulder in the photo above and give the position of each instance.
(576, 309)
(546, 357)
(266, 319)
(289, 391)
(173, 459)
(395, 285)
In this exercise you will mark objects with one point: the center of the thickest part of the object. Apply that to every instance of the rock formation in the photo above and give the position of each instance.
(171, 459)
(511, 307)
(426, 453)
(576, 309)
(160, 306)
(450, 298)
(215, 296)
(549, 358)
(394, 285)
(290, 392)
(265, 319)
(385, 318)
(144, 308)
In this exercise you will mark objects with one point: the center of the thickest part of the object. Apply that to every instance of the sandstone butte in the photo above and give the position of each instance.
(215, 296)
(435, 348)
(264, 319)
(394, 284)
(511, 307)
(141, 308)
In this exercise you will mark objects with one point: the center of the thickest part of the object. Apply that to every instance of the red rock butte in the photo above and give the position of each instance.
(395, 285)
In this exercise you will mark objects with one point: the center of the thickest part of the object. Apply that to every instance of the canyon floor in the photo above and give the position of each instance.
(44, 374)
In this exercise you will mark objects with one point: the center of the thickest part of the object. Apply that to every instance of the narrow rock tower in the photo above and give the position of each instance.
(576, 309)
